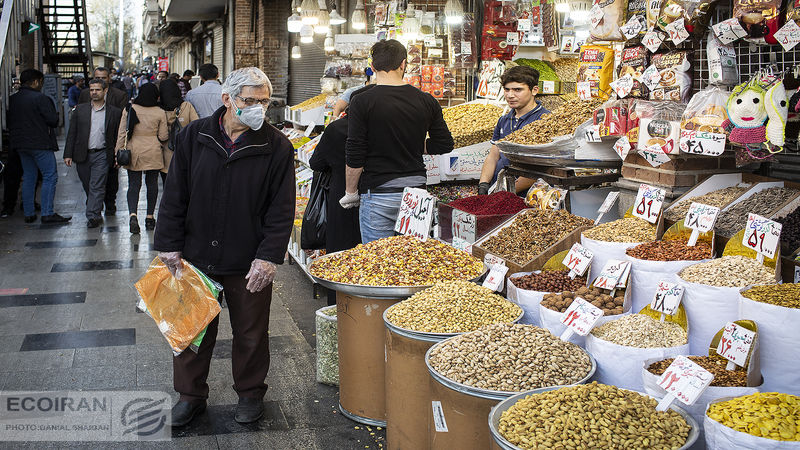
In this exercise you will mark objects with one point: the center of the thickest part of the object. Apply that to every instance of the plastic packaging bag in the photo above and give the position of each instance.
(596, 65)
(695, 13)
(761, 19)
(659, 124)
(706, 111)
(676, 76)
(183, 308)
(722, 66)
(543, 196)
(315, 218)
(613, 18)
(327, 346)
(720, 437)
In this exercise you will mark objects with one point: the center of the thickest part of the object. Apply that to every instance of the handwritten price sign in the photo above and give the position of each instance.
(667, 298)
(581, 317)
(622, 86)
(595, 15)
(416, 213)
(729, 31)
(463, 225)
(612, 274)
(622, 147)
(578, 259)
(762, 235)
(701, 217)
(654, 155)
(648, 202)
(652, 40)
(593, 133)
(651, 77)
(494, 280)
(677, 31)
(702, 142)
(584, 90)
(736, 343)
(789, 35)
(685, 381)
(633, 26)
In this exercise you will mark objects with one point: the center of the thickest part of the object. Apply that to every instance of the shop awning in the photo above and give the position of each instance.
(192, 10)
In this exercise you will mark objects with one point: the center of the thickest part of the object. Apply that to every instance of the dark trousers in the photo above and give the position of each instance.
(93, 174)
(12, 179)
(249, 315)
(135, 186)
(112, 186)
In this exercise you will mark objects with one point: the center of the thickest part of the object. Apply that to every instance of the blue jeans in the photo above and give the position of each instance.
(377, 215)
(33, 162)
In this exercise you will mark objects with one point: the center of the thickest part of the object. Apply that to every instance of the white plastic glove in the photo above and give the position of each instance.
(350, 200)
(260, 276)
(173, 262)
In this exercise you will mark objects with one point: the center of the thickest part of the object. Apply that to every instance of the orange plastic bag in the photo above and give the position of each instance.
(183, 308)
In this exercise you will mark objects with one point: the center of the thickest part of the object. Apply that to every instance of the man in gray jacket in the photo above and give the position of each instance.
(90, 144)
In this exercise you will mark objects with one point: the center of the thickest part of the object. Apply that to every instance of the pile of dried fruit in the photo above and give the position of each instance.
(714, 364)
(764, 414)
(562, 121)
(471, 123)
(502, 202)
(549, 281)
(672, 250)
(561, 301)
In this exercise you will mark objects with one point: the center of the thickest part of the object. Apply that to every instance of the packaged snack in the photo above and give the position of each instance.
(760, 18)
(722, 67)
(427, 74)
(613, 18)
(653, 10)
(427, 86)
(676, 76)
(633, 122)
(637, 8)
(659, 124)
(437, 90)
(609, 118)
(413, 80)
(793, 10)
(634, 62)
(437, 74)
(706, 111)
(596, 65)
(695, 14)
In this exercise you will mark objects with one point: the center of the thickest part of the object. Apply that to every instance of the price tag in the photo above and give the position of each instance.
(512, 38)
(683, 380)
(611, 198)
(652, 40)
(309, 129)
(593, 133)
(762, 235)
(651, 77)
(580, 318)
(548, 87)
(612, 273)
(648, 202)
(622, 147)
(728, 31)
(789, 35)
(434, 53)
(595, 15)
(654, 155)
(578, 259)
(416, 213)
(677, 31)
(701, 217)
(463, 225)
(797, 274)
(494, 280)
(461, 244)
(702, 142)
(584, 90)
(735, 344)
(632, 27)
(667, 298)
(466, 47)
(429, 41)
(523, 24)
(492, 260)
(439, 421)
(622, 86)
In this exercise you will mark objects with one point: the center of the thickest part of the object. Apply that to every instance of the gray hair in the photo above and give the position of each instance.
(247, 76)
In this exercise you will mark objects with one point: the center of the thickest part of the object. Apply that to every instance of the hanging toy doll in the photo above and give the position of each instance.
(747, 115)
(777, 106)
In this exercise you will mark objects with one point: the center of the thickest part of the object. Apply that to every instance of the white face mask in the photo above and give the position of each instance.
(251, 116)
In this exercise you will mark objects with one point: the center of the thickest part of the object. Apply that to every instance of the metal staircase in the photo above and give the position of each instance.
(65, 34)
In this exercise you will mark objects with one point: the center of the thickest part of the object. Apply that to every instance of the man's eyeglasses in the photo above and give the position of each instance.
(249, 101)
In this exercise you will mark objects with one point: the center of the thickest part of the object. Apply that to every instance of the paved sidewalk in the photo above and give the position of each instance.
(68, 322)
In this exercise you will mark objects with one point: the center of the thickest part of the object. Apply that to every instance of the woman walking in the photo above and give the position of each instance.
(144, 133)
(176, 109)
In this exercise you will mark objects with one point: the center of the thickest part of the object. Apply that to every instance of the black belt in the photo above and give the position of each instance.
(391, 190)
(95, 150)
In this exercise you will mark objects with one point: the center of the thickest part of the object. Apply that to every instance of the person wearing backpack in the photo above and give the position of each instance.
(179, 114)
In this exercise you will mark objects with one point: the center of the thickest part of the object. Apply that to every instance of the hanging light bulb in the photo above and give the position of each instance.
(296, 52)
(454, 12)
(329, 47)
(323, 25)
(309, 10)
(294, 22)
(359, 19)
(307, 34)
(336, 18)
(562, 6)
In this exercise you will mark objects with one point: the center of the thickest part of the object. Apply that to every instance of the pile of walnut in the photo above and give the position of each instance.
(562, 121)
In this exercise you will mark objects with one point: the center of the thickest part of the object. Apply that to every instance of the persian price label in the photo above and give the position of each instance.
(652, 40)
(702, 142)
(494, 280)
(651, 77)
(789, 35)
(677, 31)
(463, 225)
(612, 273)
(593, 133)
(581, 316)
(622, 147)
(648, 202)
(512, 38)
(632, 27)
(578, 259)
(416, 213)
(667, 298)
(701, 217)
(623, 86)
(684, 380)
(729, 31)
(735, 343)
(584, 90)
(611, 198)
(762, 235)
(654, 155)
(595, 15)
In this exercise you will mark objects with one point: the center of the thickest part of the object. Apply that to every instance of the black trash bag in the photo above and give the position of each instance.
(315, 218)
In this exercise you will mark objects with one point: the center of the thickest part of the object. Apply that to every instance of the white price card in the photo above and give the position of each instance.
(416, 213)
(728, 31)
(648, 202)
(595, 15)
(512, 38)
(309, 129)
(701, 217)
(593, 133)
(612, 273)
(494, 280)
(584, 90)
(439, 421)
(633, 26)
(611, 198)
(548, 87)
(580, 318)
(789, 35)
(735, 343)
(684, 380)
(667, 298)
(622, 147)
(466, 47)
(623, 278)
(578, 259)
(797, 274)
(492, 260)
(651, 77)
(702, 142)
(523, 24)
(652, 40)
(463, 225)
(623, 85)
(654, 155)
(677, 31)
(461, 244)
(762, 235)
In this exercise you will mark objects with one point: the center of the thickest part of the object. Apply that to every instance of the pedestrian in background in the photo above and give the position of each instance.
(177, 110)
(185, 83)
(145, 131)
(74, 91)
(90, 144)
(206, 98)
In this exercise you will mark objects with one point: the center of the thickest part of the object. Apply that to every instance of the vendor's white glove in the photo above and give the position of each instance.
(350, 200)
(260, 276)
(173, 262)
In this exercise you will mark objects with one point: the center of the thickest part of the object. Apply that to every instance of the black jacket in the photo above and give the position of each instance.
(342, 231)
(77, 145)
(114, 97)
(222, 212)
(32, 118)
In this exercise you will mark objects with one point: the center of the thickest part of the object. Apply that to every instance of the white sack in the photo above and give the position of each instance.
(720, 437)
(645, 276)
(603, 251)
(527, 300)
(551, 320)
(708, 309)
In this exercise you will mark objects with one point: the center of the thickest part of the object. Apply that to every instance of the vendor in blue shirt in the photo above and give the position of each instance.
(520, 84)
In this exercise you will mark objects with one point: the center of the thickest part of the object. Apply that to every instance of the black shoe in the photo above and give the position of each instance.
(6, 213)
(183, 412)
(135, 225)
(55, 218)
(93, 223)
(149, 223)
(249, 410)
(30, 219)
(111, 210)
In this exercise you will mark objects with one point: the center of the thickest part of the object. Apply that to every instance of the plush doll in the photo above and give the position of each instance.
(747, 115)
(777, 106)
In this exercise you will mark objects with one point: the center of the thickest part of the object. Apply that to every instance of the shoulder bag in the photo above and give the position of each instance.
(124, 154)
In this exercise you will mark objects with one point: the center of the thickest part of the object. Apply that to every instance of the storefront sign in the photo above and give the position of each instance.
(667, 298)
(735, 343)
(416, 213)
(648, 202)
(577, 260)
(762, 235)
(580, 318)
(728, 31)
(684, 380)
(163, 64)
(702, 142)
(463, 225)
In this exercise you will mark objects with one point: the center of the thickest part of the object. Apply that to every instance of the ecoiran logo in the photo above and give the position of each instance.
(86, 416)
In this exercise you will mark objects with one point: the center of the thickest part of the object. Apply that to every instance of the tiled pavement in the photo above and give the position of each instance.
(68, 322)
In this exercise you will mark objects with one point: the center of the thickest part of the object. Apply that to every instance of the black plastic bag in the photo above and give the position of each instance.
(315, 218)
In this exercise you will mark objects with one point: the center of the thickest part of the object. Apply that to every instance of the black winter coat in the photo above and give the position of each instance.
(80, 124)
(342, 231)
(32, 118)
(222, 212)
